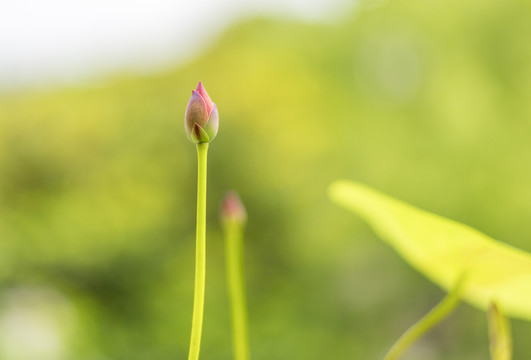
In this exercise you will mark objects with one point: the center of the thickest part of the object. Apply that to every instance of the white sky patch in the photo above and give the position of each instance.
(64, 40)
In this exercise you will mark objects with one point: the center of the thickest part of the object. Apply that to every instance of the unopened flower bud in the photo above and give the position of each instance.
(201, 120)
(232, 209)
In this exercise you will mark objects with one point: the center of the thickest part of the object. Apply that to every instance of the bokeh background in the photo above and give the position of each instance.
(429, 101)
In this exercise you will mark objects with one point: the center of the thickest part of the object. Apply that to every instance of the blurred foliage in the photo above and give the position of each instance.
(427, 101)
(445, 251)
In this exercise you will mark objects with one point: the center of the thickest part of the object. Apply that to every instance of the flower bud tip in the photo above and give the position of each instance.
(232, 209)
(201, 119)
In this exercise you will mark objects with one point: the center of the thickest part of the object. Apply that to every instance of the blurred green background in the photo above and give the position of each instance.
(429, 101)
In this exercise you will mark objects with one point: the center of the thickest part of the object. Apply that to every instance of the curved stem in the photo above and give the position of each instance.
(499, 334)
(236, 287)
(438, 313)
(200, 252)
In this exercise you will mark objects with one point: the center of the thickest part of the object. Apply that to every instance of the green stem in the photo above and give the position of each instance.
(499, 334)
(236, 288)
(422, 326)
(200, 252)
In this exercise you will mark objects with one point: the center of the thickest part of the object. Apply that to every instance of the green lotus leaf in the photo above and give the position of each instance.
(445, 250)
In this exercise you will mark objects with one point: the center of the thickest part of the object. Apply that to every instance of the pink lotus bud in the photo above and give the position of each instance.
(201, 120)
(232, 209)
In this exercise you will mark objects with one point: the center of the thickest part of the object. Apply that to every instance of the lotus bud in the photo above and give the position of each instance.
(201, 120)
(232, 209)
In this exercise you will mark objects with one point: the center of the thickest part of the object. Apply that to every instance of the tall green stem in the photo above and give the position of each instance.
(200, 252)
(429, 320)
(236, 287)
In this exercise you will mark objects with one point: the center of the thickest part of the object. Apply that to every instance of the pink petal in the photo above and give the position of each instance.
(201, 90)
(196, 111)
(212, 123)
